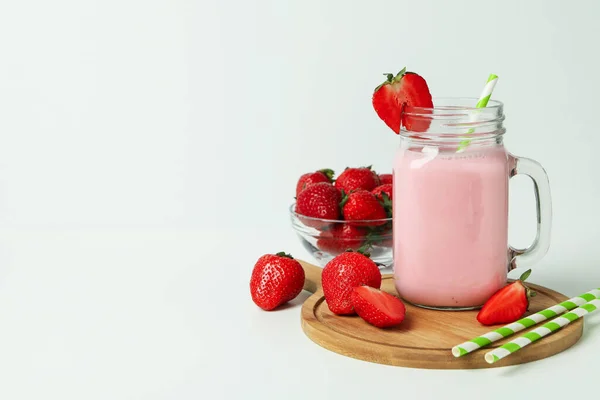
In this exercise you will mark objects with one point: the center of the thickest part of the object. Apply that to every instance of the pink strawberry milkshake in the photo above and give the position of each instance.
(450, 225)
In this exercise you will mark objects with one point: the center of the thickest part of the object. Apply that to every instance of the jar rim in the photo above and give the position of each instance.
(469, 104)
(452, 118)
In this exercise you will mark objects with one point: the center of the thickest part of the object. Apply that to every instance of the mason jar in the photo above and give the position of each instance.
(450, 205)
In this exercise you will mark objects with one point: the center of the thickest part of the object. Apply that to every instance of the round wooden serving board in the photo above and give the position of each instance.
(425, 338)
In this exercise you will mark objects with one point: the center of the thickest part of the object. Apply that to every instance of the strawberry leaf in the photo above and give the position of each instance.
(389, 79)
(364, 250)
(400, 74)
(345, 198)
(525, 275)
(386, 202)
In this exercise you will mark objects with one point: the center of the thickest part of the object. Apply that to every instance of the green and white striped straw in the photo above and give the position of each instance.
(510, 329)
(486, 93)
(536, 334)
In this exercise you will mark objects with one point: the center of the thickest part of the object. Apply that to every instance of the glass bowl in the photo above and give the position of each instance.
(324, 238)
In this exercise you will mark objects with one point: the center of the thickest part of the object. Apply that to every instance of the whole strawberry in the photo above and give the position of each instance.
(377, 307)
(321, 200)
(276, 279)
(357, 178)
(340, 238)
(342, 274)
(386, 178)
(363, 205)
(383, 193)
(395, 94)
(387, 189)
(508, 304)
(310, 178)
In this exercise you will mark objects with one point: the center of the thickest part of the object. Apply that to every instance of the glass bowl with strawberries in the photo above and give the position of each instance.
(351, 212)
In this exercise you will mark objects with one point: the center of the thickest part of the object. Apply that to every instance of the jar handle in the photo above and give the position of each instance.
(543, 203)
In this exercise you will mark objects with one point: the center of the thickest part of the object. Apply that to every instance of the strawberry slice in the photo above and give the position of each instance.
(377, 307)
(508, 304)
(395, 93)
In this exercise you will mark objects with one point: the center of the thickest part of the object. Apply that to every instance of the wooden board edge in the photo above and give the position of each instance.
(331, 340)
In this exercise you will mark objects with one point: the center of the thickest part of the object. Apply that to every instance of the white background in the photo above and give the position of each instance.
(149, 151)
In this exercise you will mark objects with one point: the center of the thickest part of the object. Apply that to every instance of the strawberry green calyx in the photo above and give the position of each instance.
(329, 173)
(345, 198)
(284, 254)
(401, 73)
(361, 250)
(376, 235)
(391, 78)
(364, 249)
(367, 167)
(528, 292)
(386, 202)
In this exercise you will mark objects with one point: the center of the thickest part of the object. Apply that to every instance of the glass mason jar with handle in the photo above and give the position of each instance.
(450, 213)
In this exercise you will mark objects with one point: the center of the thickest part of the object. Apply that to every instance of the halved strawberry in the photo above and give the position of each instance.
(392, 96)
(377, 307)
(508, 304)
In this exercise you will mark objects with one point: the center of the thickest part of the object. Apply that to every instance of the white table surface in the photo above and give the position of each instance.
(167, 315)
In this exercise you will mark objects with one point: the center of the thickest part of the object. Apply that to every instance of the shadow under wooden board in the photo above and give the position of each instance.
(425, 338)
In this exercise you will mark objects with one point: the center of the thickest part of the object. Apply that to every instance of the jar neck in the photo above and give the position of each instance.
(467, 144)
(454, 122)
